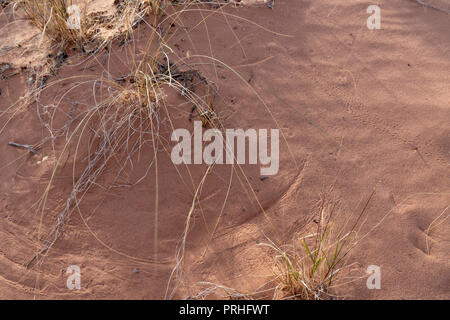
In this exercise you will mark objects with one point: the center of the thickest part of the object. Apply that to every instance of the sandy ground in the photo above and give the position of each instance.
(360, 109)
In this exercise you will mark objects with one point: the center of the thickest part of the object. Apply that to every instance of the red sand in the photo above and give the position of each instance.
(360, 110)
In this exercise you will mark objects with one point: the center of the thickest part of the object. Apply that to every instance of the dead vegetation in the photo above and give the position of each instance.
(310, 267)
(130, 114)
(313, 265)
(89, 30)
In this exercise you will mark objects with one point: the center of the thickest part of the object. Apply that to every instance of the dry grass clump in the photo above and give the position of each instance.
(113, 127)
(123, 115)
(312, 266)
(51, 16)
(68, 24)
(127, 115)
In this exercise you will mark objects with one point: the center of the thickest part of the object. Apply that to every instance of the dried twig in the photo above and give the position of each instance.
(24, 146)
